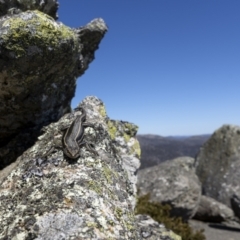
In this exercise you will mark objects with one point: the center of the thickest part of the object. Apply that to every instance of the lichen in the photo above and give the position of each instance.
(126, 137)
(35, 32)
(112, 129)
(130, 129)
(91, 224)
(95, 186)
(130, 224)
(118, 213)
(136, 149)
(102, 111)
(108, 174)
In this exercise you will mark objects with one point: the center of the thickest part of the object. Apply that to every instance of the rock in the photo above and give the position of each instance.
(216, 231)
(172, 182)
(49, 196)
(89, 36)
(235, 204)
(40, 62)
(49, 7)
(218, 164)
(209, 210)
(124, 134)
(149, 229)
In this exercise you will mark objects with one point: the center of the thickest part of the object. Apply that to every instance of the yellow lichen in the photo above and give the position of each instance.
(126, 137)
(118, 213)
(172, 235)
(136, 149)
(102, 111)
(38, 30)
(112, 129)
(91, 224)
(130, 129)
(107, 174)
(95, 186)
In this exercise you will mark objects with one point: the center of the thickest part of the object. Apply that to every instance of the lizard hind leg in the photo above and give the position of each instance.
(89, 146)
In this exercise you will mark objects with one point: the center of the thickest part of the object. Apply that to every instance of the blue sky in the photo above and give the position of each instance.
(170, 66)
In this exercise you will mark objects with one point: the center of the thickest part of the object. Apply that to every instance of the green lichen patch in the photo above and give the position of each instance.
(126, 137)
(130, 129)
(33, 33)
(102, 111)
(107, 174)
(125, 132)
(96, 187)
(136, 149)
(118, 213)
(112, 129)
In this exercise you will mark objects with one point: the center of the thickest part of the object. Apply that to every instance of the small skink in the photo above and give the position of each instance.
(74, 136)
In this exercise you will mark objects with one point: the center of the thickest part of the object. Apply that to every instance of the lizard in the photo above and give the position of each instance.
(73, 137)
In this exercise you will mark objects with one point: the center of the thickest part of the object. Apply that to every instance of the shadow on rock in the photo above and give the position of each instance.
(223, 227)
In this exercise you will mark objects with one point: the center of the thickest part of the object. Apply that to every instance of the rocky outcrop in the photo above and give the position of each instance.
(218, 165)
(49, 196)
(40, 62)
(44, 193)
(173, 182)
(49, 7)
(120, 132)
(210, 210)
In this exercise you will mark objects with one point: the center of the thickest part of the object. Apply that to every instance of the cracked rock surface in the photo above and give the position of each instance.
(49, 196)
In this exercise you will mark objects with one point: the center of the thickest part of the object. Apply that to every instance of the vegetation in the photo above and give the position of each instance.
(161, 214)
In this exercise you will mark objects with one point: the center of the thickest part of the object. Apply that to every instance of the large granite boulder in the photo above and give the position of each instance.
(218, 165)
(235, 204)
(40, 62)
(172, 182)
(47, 195)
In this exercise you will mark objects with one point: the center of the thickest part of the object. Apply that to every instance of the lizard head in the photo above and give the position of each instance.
(72, 152)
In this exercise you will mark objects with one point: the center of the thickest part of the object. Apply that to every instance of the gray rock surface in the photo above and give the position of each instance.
(49, 196)
(89, 36)
(49, 7)
(217, 231)
(40, 62)
(210, 210)
(129, 148)
(218, 164)
(172, 182)
(152, 230)
(235, 204)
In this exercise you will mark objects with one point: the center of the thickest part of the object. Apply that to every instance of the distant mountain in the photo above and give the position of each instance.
(157, 149)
